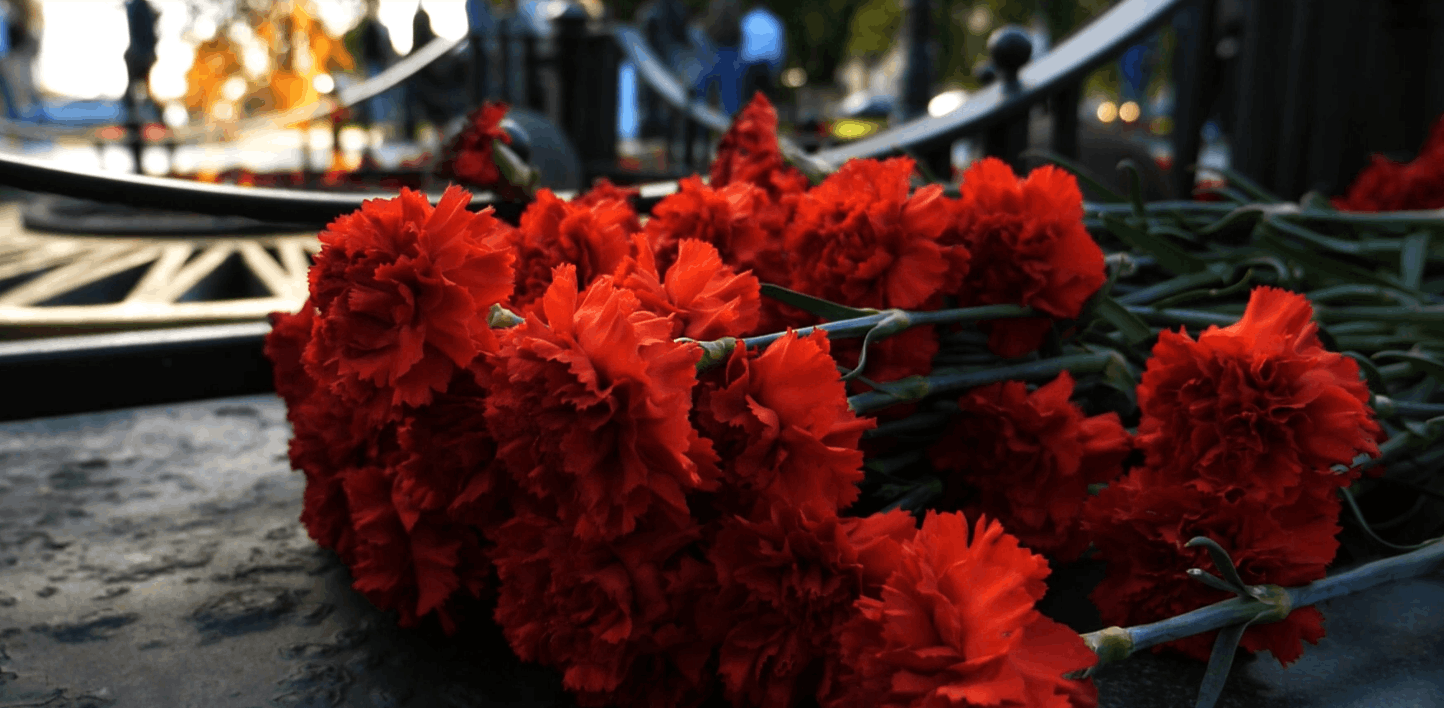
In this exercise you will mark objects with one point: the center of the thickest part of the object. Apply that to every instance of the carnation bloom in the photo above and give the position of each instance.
(1140, 527)
(325, 437)
(607, 614)
(955, 625)
(867, 243)
(1257, 408)
(1028, 246)
(402, 293)
(469, 156)
(589, 403)
(603, 191)
(594, 238)
(787, 581)
(780, 422)
(1386, 185)
(724, 217)
(448, 459)
(749, 152)
(1030, 457)
(705, 299)
(287, 340)
(405, 559)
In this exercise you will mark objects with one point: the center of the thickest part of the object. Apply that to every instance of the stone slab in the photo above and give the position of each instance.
(153, 557)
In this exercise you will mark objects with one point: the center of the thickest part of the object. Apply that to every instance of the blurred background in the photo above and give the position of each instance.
(834, 69)
(366, 95)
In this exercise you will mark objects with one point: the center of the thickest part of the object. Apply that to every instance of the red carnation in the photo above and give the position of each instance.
(594, 237)
(705, 299)
(749, 152)
(604, 191)
(1258, 408)
(1028, 246)
(405, 559)
(955, 626)
(589, 407)
(608, 614)
(1030, 458)
(787, 582)
(866, 243)
(402, 293)
(1140, 527)
(1386, 185)
(780, 422)
(469, 156)
(328, 436)
(725, 217)
(449, 459)
(289, 335)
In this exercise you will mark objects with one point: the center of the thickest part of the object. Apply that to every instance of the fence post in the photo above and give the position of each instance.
(917, 72)
(1009, 49)
(139, 58)
(1064, 109)
(1193, 76)
(587, 66)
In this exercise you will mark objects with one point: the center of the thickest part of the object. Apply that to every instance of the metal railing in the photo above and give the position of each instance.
(585, 55)
(1000, 112)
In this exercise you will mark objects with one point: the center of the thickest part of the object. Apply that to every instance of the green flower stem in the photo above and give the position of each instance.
(1372, 342)
(1354, 291)
(1189, 207)
(1429, 314)
(878, 326)
(916, 388)
(914, 424)
(1395, 218)
(1386, 407)
(1426, 560)
(860, 326)
(1190, 318)
(1172, 286)
(1116, 643)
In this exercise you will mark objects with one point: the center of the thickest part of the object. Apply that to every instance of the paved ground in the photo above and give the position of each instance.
(153, 557)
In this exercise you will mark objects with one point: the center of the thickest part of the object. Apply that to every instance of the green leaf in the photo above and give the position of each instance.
(1173, 259)
(514, 169)
(1118, 374)
(1133, 328)
(1319, 263)
(817, 306)
(1422, 363)
(1314, 237)
(1219, 663)
(1236, 217)
(1077, 170)
(1412, 258)
(1135, 184)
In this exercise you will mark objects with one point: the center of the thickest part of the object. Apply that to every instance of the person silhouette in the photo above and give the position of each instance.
(723, 25)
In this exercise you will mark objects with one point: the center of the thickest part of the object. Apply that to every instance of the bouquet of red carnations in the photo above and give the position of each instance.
(668, 486)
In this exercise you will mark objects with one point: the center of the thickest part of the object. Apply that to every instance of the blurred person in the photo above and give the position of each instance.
(18, 48)
(763, 50)
(723, 25)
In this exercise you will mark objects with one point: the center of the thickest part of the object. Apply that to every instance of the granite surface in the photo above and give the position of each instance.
(153, 557)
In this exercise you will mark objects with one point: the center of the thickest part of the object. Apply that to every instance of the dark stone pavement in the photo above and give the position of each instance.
(153, 558)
